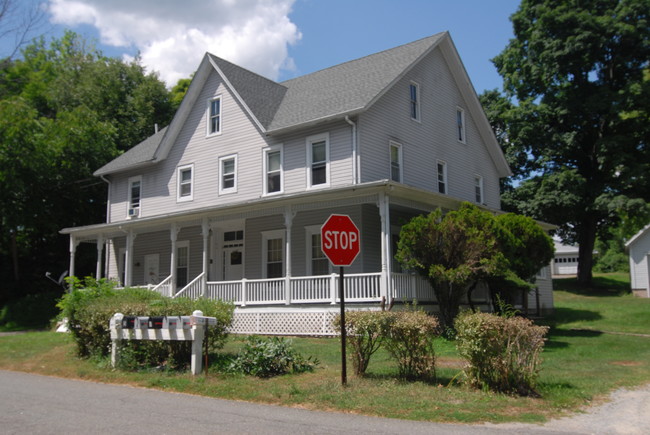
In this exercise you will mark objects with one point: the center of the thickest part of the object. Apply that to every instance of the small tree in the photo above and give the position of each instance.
(453, 252)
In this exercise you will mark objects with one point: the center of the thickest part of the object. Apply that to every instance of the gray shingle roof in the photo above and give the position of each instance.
(261, 95)
(347, 87)
(141, 153)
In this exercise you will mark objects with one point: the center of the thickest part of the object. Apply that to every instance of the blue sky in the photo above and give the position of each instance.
(281, 39)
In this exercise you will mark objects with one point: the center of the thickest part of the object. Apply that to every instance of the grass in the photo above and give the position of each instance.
(580, 366)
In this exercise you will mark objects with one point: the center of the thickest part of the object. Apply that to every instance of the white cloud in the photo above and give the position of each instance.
(172, 35)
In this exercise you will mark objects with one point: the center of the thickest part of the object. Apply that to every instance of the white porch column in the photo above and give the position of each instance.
(289, 214)
(100, 249)
(73, 250)
(128, 261)
(384, 214)
(205, 232)
(173, 234)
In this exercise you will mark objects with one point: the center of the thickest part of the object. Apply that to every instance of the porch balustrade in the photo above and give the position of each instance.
(361, 287)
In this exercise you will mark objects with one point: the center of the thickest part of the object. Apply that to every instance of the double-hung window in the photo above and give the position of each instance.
(184, 187)
(414, 90)
(273, 253)
(318, 155)
(317, 262)
(273, 170)
(228, 176)
(478, 189)
(395, 161)
(135, 194)
(442, 177)
(460, 124)
(214, 116)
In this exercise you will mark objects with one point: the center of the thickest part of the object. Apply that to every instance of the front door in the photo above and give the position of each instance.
(152, 269)
(233, 263)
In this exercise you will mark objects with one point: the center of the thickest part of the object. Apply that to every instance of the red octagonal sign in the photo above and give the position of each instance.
(340, 240)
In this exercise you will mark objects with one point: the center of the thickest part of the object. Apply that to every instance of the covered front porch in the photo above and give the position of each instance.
(267, 254)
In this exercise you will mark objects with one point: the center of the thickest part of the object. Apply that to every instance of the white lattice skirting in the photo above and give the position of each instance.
(290, 322)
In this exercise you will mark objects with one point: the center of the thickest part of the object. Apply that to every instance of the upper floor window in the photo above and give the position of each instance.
(135, 193)
(273, 170)
(442, 177)
(478, 189)
(214, 116)
(228, 177)
(184, 188)
(318, 156)
(460, 125)
(414, 89)
(395, 161)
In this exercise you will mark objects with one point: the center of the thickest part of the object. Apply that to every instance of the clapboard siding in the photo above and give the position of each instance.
(639, 251)
(428, 140)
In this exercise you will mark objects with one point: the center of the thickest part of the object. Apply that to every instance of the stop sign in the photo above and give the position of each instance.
(340, 240)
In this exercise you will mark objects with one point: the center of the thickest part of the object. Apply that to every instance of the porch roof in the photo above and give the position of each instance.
(399, 194)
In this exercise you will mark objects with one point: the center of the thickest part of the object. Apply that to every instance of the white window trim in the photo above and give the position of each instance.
(310, 231)
(478, 182)
(208, 117)
(270, 235)
(180, 169)
(444, 177)
(400, 158)
(463, 131)
(129, 198)
(265, 161)
(309, 142)
(417, 101)
(222, 190)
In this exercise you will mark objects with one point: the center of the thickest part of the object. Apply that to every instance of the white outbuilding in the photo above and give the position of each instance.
(565, 260)
(638, 248)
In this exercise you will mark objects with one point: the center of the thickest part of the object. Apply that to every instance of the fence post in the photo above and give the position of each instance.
(243, 292)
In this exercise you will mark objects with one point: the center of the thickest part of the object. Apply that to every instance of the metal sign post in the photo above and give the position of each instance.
(340, 243)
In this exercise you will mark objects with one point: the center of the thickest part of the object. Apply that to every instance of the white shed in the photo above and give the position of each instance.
(565, 260)
(638, 247)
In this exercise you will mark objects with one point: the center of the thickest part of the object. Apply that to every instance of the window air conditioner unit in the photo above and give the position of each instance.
(134, 212)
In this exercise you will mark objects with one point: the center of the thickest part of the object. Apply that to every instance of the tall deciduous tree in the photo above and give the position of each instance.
(65, 110)
(576, 115)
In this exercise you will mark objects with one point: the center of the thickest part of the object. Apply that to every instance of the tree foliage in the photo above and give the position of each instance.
(65, 110)
(457, 250)
(574, 120)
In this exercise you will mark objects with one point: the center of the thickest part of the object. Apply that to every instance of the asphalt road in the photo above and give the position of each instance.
(34, 404)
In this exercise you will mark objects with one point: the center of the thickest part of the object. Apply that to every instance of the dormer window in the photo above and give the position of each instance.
(214, 116)
(415, 101)
(135, 193)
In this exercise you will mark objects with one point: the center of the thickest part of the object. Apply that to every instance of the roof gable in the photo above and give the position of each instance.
(333, 93)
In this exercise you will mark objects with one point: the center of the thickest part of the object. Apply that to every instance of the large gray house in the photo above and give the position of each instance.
(228, 200)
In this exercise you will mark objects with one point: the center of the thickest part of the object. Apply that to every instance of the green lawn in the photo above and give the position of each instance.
(580, 364)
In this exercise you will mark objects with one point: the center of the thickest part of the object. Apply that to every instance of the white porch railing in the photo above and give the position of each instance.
(164, 287)
(192, 290)
(359, 287)
(409, 287)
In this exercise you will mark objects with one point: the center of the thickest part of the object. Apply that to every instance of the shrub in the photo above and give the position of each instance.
(503, 352)
(409, 339)
(91, 304)
(267, 357)
(33, 311)
(364, 335)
